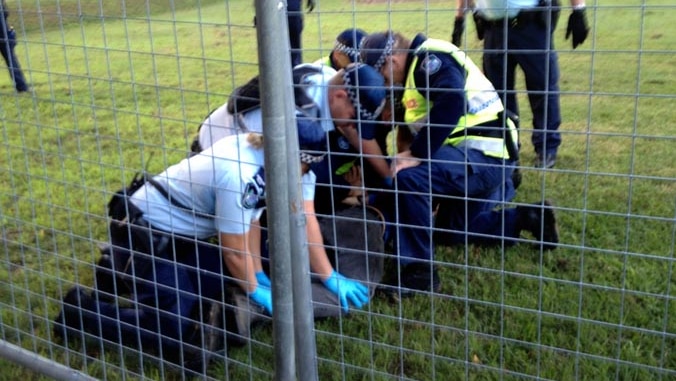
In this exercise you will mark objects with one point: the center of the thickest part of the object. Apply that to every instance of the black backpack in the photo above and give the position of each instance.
(248, 97)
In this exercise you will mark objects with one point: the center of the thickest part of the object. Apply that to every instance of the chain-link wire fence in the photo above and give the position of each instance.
(117, 89)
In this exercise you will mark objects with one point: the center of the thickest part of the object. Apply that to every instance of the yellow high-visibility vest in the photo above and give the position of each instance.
(483, 103)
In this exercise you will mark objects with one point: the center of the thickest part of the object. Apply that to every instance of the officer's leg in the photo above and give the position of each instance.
(7, 45)
(414, 214)
(177, 295)
(295, 21)
(468, 211)
(415, 270)
(541, 70)
(499, 65)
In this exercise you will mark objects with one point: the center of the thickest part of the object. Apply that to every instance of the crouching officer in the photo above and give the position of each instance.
(165, 228)
(462, 155)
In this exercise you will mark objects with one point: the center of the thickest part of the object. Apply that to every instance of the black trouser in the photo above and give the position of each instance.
(295, 21)
(7, 44)
(168, 279)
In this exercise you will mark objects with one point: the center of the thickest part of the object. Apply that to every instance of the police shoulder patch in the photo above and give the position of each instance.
(431, 64)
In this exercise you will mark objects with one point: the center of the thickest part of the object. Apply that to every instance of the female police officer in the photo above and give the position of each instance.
(165, 226)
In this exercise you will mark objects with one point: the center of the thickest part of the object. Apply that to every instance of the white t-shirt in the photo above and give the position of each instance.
(211, 185)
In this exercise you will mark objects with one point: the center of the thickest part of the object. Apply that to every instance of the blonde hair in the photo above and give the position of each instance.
(255, 139)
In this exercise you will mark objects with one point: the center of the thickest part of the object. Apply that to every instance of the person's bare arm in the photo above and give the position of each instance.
(375, 157)
(238, 259)
(255, 245)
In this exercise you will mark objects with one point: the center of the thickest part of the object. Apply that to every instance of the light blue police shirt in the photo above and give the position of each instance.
(500, 9)
(210, 185)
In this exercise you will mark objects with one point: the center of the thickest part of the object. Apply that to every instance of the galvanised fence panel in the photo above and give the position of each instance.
(117, 88)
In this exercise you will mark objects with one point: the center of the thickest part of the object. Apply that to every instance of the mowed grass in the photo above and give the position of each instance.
(119, 90)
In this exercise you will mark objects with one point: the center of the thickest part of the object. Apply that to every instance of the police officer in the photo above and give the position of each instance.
(165, 226)
(344, 102)
(345, 49)
(353, 137)
(7, 44)
(462, 153)
(520, 32)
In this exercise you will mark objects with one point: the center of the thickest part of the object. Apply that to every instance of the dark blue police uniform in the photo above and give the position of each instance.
(295, 20)
(526, 41)
(473, 182)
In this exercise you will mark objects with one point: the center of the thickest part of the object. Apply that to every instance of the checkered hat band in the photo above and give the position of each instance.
(308, 158)
(387, 51)
(354, 97)
(350, 52)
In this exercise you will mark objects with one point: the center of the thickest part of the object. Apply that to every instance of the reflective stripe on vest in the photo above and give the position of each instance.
(483, 102)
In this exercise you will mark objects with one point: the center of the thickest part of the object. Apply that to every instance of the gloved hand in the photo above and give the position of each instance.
(458, 29)
(310, 5)
(263, 279)
(578, 27)
(347, 290)
(262, 296)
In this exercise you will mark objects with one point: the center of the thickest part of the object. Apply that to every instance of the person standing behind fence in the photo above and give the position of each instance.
(345, 50)
(462, 155)
(295, 20)
(7, 44)
(520, 33)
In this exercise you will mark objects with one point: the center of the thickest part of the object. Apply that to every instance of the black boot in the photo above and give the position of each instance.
(539, 220)
(414, 277)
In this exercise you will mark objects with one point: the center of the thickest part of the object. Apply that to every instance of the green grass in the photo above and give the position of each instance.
(114, 93)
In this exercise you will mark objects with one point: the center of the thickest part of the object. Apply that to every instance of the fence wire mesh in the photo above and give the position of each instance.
(119, 88)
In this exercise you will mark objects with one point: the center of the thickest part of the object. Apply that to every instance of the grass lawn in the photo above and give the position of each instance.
(119, 89)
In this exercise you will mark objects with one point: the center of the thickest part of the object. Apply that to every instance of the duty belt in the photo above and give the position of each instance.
(525, 17)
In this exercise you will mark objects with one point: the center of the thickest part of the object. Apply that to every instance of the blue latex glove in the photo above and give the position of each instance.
(263, 279)
(262, 296)
(347, 290)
